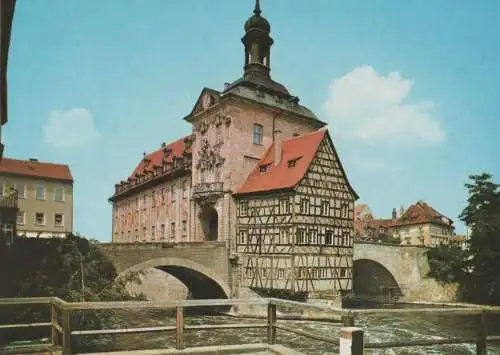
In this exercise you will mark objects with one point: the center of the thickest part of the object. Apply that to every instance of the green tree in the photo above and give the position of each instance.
(482, 214)
(476, 268)
(71, 268)
(387, 238)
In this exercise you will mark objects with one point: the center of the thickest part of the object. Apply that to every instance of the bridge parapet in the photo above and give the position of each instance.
(161, 245)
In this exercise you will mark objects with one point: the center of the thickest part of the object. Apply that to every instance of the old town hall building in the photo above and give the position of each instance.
(260, 172)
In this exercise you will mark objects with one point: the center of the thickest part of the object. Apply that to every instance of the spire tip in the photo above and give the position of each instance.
(257, 11)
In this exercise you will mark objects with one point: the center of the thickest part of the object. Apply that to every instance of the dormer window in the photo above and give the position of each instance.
(291, 163)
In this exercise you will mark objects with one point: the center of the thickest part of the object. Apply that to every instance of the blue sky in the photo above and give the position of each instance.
(409, 88)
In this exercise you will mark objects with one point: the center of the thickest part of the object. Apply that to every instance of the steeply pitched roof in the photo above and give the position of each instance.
(277, 177)
(31, 168)
(177, 148)
(421, 212)
(301, 149)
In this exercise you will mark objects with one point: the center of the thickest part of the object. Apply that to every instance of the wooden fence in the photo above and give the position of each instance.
(61, 333)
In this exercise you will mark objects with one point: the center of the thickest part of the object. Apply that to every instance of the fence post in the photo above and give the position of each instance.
(66, 331)
(481, 344)
(351, 341)
(271, 323)
(54, 333)
(179, 328)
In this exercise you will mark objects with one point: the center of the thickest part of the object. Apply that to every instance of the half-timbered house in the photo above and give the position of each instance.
(295, 219)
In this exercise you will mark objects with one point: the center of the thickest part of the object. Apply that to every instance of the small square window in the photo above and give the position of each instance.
(39, 218)
(58, 220)
(291, 163)
(263, 168)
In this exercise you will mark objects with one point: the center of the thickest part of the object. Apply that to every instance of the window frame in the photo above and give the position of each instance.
(258, 134)
(44, 192)
(62, 194)
(44, 222)
(62, 219)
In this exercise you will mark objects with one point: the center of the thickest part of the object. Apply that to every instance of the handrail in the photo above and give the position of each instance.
(62, 326)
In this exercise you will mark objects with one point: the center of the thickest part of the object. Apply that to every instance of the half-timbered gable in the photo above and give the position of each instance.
(294, 218)
(323, 210)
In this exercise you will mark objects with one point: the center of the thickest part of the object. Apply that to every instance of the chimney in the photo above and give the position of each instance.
(394, 214)
(277, 147)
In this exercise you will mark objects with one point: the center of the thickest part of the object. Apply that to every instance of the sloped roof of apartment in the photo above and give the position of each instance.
(178, 148)
(302, 149)
(35, 168)
(421, 212)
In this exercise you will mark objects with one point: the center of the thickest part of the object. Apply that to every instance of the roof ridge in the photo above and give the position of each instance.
(34, 161)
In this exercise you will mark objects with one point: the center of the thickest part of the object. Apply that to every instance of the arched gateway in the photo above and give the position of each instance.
(209, 219)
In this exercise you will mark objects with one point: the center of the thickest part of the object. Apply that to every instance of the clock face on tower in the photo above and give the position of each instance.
(207, 101)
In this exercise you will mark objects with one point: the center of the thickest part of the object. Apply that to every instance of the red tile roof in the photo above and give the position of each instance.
(156, 158)
(301, 148)
(37, 169)
(421, 212)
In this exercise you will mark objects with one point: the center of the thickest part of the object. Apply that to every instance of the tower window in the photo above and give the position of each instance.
(258, 132)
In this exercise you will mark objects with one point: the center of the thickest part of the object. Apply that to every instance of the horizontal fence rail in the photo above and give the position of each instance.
(61, 333)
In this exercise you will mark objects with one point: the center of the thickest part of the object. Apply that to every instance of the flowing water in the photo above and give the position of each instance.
(378, 328)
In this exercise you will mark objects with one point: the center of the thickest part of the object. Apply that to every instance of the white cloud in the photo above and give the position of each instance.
(365, 105)
(70, 128)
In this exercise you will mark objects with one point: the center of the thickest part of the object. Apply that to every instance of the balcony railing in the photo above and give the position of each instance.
(207, 189)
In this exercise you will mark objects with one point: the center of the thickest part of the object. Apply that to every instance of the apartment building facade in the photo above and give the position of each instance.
(44, 193)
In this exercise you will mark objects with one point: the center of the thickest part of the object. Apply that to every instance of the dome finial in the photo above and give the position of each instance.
(257, 10)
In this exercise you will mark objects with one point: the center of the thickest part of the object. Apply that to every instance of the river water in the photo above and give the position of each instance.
(378, 328)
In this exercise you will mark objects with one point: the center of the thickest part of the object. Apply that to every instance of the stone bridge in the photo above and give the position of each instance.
(389, 271)
(382, 272)
(203, 267)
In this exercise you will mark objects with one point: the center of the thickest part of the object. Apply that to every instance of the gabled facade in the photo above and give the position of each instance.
(423, 225)
(419, 224)
(295, 219)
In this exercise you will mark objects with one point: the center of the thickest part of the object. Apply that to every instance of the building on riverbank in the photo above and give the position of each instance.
(44, 196)
(6, 15)
(259, 171)
(419, 224)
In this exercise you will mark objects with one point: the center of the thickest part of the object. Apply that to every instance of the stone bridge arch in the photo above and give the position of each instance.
(403, 268)
(374, 282)
(201, 282)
